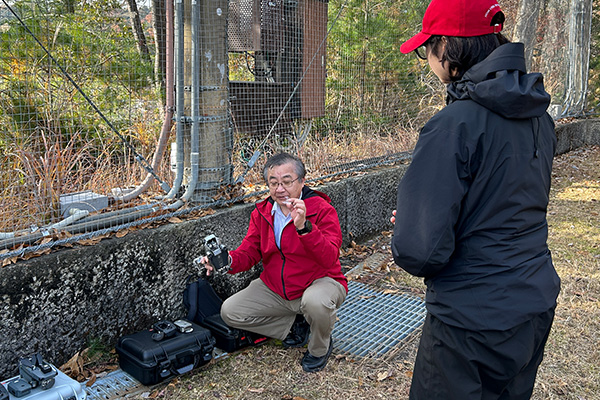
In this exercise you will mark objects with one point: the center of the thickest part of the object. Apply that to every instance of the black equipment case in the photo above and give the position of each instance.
(163, 351)
(204, 307)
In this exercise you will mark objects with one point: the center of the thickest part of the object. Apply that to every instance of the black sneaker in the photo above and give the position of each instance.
(298, 336)
(311, 363)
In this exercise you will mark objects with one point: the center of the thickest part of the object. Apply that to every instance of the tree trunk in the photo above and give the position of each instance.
(138, 31)
(526, 26)
(69, 6)
(159, 25)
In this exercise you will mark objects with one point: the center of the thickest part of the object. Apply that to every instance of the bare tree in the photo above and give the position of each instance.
(69, 6)
(526, 26)
(138, 31)
(159, 25)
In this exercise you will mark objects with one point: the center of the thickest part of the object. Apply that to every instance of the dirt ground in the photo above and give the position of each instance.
(571, 367)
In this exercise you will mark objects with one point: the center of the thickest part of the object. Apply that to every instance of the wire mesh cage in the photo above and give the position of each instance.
(112, 110)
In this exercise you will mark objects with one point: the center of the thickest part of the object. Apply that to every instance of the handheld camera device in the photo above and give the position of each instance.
(163, 330)
(184, 326)
(36, 372)
(217, 254)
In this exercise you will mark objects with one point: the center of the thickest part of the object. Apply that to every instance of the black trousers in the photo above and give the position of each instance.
(454, 363)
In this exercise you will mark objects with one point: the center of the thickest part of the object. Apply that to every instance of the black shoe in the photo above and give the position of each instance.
(298, 335)
(311, 363)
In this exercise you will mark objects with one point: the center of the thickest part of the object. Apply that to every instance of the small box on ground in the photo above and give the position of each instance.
(86, 200)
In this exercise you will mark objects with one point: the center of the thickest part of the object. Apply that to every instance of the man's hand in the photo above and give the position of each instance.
(206, 263)
(297, 211)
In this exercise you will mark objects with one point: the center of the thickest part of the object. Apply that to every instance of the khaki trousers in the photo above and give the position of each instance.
(258, 309)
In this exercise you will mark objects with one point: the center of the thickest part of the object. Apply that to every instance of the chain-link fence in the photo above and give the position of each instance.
(118, 113)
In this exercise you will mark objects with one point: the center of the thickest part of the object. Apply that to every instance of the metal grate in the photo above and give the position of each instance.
(371, 322)
(116, 385)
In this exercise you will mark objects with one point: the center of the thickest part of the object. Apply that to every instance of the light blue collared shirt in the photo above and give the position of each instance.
(280, 221)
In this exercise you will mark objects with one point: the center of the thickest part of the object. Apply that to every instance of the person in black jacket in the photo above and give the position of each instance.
(471, 211)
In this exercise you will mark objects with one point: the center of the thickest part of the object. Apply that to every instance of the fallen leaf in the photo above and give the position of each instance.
(73, 367)
(91, 381)
(365, 297)
(256, 390)
(89, 242)
(385, 375)
(174, 220)
(8, 261)
(121, 233)
(382, 376)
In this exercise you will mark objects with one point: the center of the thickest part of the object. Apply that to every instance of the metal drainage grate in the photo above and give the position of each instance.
(115, 385)
(371, 323)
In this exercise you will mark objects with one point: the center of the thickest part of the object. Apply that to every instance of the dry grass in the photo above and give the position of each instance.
(570, 369)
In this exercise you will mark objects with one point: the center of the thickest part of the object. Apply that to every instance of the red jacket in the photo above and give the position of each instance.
(289, 270)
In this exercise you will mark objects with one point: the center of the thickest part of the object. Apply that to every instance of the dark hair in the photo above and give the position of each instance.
(285, 158)
(461, 53)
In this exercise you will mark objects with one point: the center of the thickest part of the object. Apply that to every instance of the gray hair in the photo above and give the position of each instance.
(285, 158)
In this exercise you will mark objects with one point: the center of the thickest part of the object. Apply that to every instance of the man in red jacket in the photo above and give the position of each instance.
(296, 233)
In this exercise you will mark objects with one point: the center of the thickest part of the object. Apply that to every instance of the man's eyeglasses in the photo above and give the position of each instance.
(286, 183)
(421, 53)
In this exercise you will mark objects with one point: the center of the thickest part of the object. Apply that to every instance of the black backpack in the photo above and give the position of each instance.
(204, 308)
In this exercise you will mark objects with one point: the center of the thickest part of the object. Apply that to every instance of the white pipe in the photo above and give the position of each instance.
(76, 214)
(195, 131)
(180, 100)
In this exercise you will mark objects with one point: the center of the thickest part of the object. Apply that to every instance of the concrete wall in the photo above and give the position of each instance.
(577, 134)
(57, 303)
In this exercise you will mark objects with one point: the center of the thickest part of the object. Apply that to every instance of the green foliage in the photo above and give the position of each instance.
(94, 45)
(369, 81)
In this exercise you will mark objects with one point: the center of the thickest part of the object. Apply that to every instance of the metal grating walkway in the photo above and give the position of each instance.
(371, 322)
(116, 385)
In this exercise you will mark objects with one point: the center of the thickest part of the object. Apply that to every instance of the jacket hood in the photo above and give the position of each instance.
(501, 84)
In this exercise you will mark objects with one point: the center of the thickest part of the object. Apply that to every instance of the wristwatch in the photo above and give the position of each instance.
(307, 228)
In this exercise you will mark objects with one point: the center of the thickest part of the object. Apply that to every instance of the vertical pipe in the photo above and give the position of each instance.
(195, 139)
(180, 100)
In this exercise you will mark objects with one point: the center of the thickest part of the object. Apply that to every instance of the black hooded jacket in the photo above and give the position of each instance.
(471, 208)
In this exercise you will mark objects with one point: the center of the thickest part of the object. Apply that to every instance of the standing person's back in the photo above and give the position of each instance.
(471, 212)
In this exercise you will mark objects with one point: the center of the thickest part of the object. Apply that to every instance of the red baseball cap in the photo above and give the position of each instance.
(463, 18)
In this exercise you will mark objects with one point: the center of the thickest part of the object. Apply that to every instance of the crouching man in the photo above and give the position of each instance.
(296, 233)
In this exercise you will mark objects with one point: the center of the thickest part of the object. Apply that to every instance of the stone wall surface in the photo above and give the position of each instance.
(57, 303)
